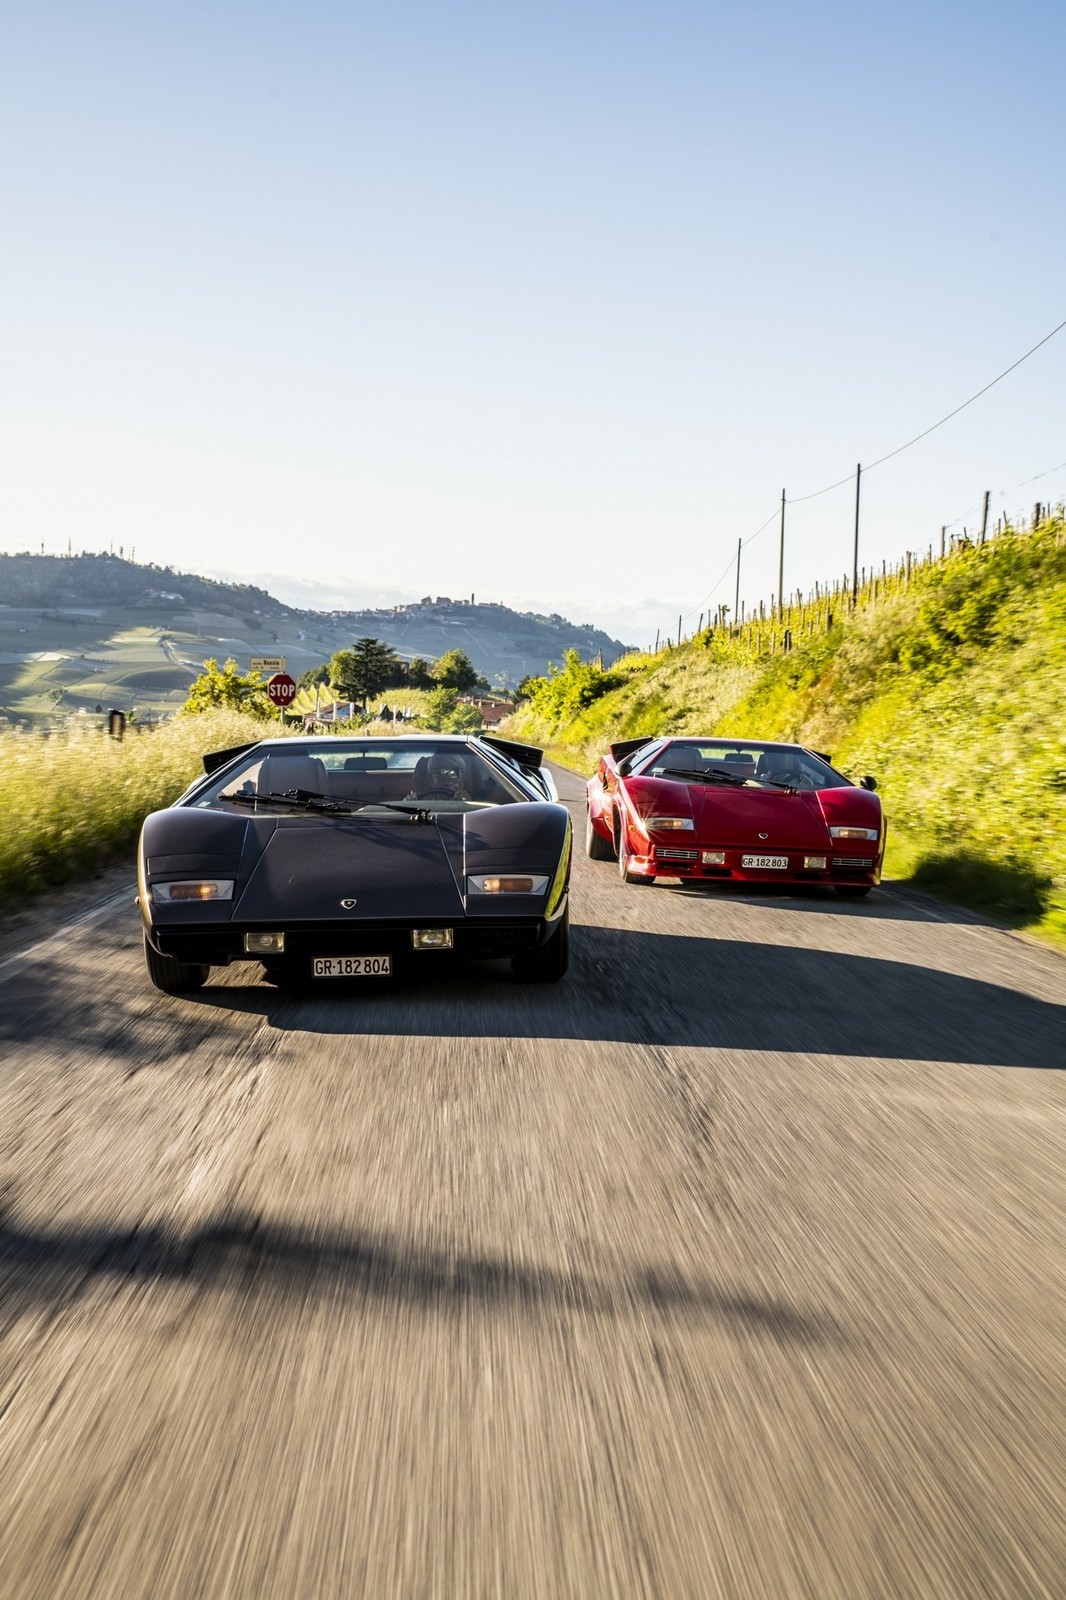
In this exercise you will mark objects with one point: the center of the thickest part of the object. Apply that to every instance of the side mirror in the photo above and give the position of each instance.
(623, 766)
(867, 782)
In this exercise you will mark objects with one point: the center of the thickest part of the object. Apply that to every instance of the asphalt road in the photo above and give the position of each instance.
(732, 1266)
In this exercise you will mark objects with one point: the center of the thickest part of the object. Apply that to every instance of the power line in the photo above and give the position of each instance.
(795, 500)
(798, 499)
(1007, 370)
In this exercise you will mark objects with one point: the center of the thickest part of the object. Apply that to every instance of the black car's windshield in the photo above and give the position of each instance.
(741, 762)
(348, 776)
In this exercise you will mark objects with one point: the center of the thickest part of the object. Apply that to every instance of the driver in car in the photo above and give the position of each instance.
(785, 766)
(445, 776)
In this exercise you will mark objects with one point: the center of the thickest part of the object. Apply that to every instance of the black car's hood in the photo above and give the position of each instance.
(301, 867)
(388, 869)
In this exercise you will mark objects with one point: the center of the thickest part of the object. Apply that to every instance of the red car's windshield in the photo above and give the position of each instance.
(743, 760)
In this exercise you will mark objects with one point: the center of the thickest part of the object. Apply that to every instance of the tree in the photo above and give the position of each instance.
(444, 714)
(313, 675)
(464, 719)
(440, 705)
(455, 670)
(364, 670)
(419, 675)
(226, 686)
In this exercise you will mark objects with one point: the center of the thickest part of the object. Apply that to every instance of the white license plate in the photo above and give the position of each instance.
(780, 863)
(351, 967)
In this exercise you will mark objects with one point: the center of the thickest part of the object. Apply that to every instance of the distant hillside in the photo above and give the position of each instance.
(108, 580)
(947, 682)
(79, 631)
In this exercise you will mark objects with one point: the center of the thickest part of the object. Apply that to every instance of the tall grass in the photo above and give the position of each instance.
(74, 800)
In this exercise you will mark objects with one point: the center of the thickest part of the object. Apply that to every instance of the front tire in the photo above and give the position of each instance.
(623, 871)
(170, 976)
(597, 848)
(548, 962)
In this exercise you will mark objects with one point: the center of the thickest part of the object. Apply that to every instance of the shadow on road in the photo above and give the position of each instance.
(37, 1267)
(885, 904)
(662, 989)
(624, 987)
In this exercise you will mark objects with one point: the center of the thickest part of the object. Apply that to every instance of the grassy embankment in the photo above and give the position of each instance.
(74, 801)
(949, 684)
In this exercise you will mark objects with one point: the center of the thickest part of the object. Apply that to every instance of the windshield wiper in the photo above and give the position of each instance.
(308, 800)
(302, 799)
(690, 775)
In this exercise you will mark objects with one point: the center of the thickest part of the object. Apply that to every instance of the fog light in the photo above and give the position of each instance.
(506, 883)
(814, 863)
(432, 938)
(194, 889)
(264, 944)
(713, 858)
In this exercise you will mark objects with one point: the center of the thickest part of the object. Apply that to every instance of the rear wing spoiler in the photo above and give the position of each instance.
(625, 747)
(526, 755)
(221, 758)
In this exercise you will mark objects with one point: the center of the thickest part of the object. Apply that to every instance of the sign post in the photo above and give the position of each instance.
(267, 665)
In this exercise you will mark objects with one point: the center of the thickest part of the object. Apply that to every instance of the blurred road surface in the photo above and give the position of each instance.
(732, 1266)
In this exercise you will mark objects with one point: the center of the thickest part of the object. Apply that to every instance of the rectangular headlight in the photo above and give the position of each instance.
(713, 858)
(264, 944)
(193, 889)
(507, 883)
(432, 938)
(684, 824)
(853, 833)
(814, 863)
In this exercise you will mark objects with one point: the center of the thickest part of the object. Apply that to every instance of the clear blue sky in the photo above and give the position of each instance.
(541, 301)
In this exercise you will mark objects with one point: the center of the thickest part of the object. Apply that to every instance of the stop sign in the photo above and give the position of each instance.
(281, 689)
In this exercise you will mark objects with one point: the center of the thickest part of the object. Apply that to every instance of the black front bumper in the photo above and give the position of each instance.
(482, 939)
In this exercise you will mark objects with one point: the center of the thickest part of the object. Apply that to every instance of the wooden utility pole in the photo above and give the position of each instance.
(943, 536)
(781, 557)
(984, 517)
(679, 630)
(736, 601)
(855, 547)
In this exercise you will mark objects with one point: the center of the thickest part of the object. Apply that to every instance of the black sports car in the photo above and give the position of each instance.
(347, 858)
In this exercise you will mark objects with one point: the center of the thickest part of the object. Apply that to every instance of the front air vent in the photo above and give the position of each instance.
(856, 863)
(668, 854)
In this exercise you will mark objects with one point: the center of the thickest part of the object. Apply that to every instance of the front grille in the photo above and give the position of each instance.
(857, 863)
(669, 854)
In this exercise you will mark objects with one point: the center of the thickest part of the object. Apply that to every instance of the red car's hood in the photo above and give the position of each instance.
(732, 817)
(768, 818)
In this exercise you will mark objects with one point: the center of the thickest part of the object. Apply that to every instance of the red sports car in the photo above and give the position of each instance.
(739, 810)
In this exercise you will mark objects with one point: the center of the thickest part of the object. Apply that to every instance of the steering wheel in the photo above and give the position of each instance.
(438, 794)
(794, 780)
